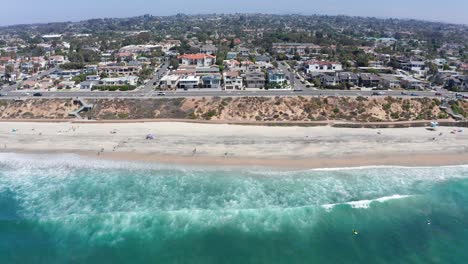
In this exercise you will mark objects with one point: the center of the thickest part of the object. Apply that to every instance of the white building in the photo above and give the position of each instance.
(414, 66)
(127, 80)
(322, 67)
(189, 81)
(200, 59)
(233, 80)
(169, 82)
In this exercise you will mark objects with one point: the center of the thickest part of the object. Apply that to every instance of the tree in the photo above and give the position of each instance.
(432, 68)
(297, 56)
(9, 68)
(174, 63)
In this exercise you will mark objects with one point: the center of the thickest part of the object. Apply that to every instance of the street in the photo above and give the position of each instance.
(211, 92)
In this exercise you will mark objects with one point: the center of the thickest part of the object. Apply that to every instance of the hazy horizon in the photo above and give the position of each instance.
(450, 11)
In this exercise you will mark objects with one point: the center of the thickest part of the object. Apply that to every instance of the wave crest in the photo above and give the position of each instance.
(364, 204)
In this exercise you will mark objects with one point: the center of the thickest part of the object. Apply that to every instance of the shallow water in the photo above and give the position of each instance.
(67, 209)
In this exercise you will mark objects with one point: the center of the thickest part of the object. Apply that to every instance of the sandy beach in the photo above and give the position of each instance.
(221, 144)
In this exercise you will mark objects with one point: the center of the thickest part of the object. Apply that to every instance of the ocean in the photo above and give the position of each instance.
(68, 209)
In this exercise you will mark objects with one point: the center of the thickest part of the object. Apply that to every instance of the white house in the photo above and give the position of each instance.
(199, 59)
(414, 66)
(233, 80)
(189, 81)
(126, 80)
(322, 66)
(169, 81)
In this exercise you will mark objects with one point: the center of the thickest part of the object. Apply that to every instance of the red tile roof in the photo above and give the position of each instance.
(320, 62)
(197, 56)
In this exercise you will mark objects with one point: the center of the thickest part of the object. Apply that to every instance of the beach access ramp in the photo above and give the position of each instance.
(84, 106)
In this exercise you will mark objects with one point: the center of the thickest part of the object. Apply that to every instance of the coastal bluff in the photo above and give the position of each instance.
(238, 109)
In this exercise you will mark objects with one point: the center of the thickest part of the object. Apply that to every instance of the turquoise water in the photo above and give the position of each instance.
(65, 209)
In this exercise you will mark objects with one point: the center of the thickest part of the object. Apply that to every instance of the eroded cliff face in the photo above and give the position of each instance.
(370, 109)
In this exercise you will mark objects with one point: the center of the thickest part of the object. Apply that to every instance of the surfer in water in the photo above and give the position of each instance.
(355, 232)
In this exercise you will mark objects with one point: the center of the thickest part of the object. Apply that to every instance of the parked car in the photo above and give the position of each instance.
(404, 93)
(161, 93)
(438, 94)
(37, 94)
(378, 93)
(297, 90)
(414, 94)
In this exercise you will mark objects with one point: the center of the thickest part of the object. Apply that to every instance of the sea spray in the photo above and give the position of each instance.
(64, 208)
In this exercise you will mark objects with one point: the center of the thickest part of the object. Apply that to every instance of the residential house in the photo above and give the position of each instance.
(88, 84)
(348, 78)
(464, 68)
(170, 81)
(231, 55)
(65, 74)
(233, 80)
(106, 57)
(295, 48)
(93, 78)
(414, 66)
(118, 81)
(212, 70)
(255, 79)
(27, 66)
(208, 49)
(440, 63)
(200, 59)
(412, 83)
(119, 70)
(329, 80)
(125, 56)
(322, 66)
(66, 85)
(276, 79)
(231, 64)
(6, 60)
(369, 80)
(30, 84)
(211, 81)
(91, 68)
(56, 60)
(244, 52)
(262, 58)
(458, 83)
(45, 84)
(376, 64)
(189, 82)
(39, 62)
(390, 81)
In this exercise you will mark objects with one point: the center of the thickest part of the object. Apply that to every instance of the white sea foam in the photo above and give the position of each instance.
(364, 204)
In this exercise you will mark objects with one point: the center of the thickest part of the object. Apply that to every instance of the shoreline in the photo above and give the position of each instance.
(237, 145)
(286, 163)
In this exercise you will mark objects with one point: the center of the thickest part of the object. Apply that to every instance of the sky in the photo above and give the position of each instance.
(43, 11)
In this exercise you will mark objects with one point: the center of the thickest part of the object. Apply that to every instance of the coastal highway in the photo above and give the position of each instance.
(214, 93)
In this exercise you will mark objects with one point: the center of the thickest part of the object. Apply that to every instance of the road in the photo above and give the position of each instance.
(148, 91)
(212, 92)
(149, 86)
(32, 78)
